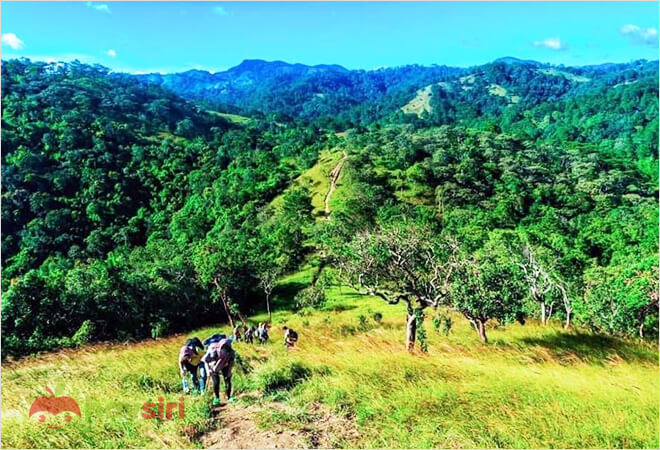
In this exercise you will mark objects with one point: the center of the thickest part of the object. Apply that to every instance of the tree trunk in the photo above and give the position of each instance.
(543, 319)
(567, 324)
(411, 331)
(482, 331)
(226, 305)
(270, 317)
(243, 321)
(641, 329)
(223, 298)
(317, 274)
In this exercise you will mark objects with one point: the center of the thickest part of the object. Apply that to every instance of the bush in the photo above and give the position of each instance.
(84, 335)
(442, 323)
(159, 329)
(312, 296)
(378, 317)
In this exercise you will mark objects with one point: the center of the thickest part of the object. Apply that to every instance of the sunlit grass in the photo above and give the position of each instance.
(532, 386)
(317, 180)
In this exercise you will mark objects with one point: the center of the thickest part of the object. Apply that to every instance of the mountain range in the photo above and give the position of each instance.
(311, 92)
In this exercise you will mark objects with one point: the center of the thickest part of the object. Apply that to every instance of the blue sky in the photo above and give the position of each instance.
(176, 36)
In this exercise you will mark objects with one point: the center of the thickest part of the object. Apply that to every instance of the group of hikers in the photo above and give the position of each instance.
(216, 356)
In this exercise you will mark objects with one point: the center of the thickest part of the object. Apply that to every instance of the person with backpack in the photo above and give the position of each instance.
(249, 334)
(219, 359)
(190, 357)
(237, 333)
(262, 333)
(290, 337)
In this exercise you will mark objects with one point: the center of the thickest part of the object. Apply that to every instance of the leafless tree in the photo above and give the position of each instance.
(544, 284)
(267, 280)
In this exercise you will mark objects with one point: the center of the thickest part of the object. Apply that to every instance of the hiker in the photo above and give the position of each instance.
(262, 333)
(290, 337)
(237, 333)
(249, 334)
(219, 358)
(190, 357)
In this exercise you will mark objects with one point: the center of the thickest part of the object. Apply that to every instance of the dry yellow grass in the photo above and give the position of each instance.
(350, 383)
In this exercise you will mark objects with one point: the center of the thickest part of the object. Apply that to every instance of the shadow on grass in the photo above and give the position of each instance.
(284, 294)
(593, 348)
(338, 307)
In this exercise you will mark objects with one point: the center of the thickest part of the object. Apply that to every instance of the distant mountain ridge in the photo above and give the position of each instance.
(514, 60)
(329, 90)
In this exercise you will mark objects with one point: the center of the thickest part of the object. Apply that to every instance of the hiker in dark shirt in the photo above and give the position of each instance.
(290, 337)
(219, 358)
(237, 333)
(262, 333)
(250, 334)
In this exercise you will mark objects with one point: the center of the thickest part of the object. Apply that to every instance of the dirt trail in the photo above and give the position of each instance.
(236, 429)
(334, 177)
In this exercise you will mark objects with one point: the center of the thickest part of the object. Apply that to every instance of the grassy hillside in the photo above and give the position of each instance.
(317, 180)
(420, 103)
(350, 383)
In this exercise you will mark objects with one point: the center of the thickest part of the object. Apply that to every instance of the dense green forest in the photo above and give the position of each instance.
(137, 206)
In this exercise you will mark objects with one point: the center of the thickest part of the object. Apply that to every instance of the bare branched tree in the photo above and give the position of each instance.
(402, 263)
(267, 280)
(545, 284)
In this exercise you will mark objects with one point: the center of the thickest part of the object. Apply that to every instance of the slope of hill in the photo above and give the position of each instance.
(162, 176)
(351, 384)
(129, 212)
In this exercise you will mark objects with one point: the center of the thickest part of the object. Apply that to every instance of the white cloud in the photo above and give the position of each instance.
(639, 35)
(553, 43)
(111, 53)
(219, 10)
(12, 41)
(99, 7)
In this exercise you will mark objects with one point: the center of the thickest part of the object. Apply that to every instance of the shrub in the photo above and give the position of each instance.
(442, 323)
(378, 317)
(421, 331)
(312, 296)
(159, 328)
(84, 335)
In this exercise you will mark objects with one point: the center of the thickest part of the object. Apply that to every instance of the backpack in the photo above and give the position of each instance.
(293, 335)
(219, 346)
(214, 338)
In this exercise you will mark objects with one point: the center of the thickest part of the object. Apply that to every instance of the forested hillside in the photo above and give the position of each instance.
(133, 206)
